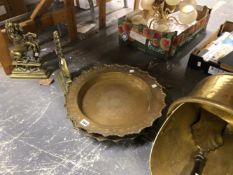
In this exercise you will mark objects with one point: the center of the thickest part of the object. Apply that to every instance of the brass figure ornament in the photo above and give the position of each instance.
(25, 53)
(197, 137)
(64, 76)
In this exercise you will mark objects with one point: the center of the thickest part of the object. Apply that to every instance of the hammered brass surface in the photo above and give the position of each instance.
(217, 95)
(114, 100)
(207, 132)
(174, 147)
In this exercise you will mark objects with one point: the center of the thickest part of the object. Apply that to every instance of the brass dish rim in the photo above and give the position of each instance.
(76, 116)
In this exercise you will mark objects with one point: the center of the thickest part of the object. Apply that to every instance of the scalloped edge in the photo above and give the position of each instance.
(107, 132)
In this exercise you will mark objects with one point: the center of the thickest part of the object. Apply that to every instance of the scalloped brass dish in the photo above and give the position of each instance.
(114, 100)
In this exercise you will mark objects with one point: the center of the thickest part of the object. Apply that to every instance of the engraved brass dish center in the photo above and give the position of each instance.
(115, 100)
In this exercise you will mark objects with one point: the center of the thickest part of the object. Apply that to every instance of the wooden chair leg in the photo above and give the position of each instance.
(70, 16)
(136, 4)
(92, 9)
(102, 14)
(5, 57)
(125, 4)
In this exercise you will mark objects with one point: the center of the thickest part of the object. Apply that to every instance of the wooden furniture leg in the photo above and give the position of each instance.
(102, 14)
(92, 9)
(5, 57)
(68, 12)
(136, 4)
(70, 16)
(125, 4)
(41, 8)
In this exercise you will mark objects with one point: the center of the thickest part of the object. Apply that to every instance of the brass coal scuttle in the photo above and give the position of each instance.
(197, 137)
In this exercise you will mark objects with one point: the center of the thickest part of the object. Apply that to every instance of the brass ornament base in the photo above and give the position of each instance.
(113, 101)
(30, 70)
(64, 82)
(30, 75)
(188, 130)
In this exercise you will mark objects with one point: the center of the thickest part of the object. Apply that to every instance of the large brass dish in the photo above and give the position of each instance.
(174, 147)
(114, 100)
